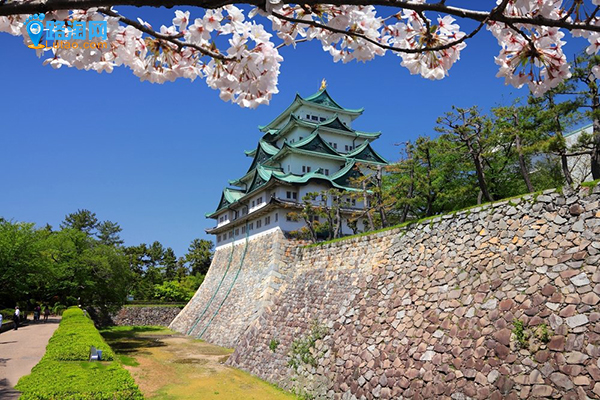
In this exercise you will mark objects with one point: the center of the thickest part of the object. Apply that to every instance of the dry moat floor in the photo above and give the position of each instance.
(170, 366)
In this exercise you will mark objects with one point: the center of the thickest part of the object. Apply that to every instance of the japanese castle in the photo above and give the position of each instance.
(309, 147)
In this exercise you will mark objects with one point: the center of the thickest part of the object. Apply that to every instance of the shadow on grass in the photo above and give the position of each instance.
(127, 340)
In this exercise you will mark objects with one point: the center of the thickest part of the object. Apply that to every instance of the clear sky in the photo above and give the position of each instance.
(154, 158)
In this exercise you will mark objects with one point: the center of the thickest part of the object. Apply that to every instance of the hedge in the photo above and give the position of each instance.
(74, 337)
(68, 380)
(65, 374)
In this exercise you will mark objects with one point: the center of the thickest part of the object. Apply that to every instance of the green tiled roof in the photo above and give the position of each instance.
(578, 130)
(332, 123)
(365, 152)
(228, 197)
(324, 99)
(320, 99)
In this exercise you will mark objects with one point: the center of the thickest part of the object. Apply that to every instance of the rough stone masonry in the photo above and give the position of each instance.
(499, 301)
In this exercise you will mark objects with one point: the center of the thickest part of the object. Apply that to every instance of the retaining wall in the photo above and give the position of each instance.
(434, 310)
(239, 286)
(148, 315)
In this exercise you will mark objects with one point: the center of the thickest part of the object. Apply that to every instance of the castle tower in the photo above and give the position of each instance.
(309, 147)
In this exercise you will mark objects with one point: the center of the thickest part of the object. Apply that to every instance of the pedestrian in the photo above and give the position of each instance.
(36, 313)
(46, 312)
(16, 317)
(0, 322)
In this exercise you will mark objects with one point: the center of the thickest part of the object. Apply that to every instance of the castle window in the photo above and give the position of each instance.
(307, 116)
(243, 229)
(314, 117)
(326, 172)
(346, 147)
(276, 215)
(315, 218)
(218, 238)
(230, 234)
(288, 217)
(267, 220)
(294, 195)
(251, 226)
(237, 232)
(288, 195)
(258, 223)
(335, 145)
(259, 201)
(353, 202)
(303, 168)
(253, 203)
(322, 119)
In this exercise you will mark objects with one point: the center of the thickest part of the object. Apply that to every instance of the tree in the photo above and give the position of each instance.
(309, 214)
(584, 91)
(553, 118)
(515, 127)
(245, 68)
(23, 264)
(170, 264)
(82, 220)
(108, 233)
(199, 256)
(471, 130)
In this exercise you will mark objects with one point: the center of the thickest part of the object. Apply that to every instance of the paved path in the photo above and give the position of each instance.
(20, 351)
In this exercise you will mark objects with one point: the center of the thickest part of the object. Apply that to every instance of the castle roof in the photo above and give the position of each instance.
(321, 100)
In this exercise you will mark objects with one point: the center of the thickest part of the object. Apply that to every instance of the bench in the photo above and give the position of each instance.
(95, 354)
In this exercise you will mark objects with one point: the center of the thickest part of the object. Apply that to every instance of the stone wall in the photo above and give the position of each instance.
(239, 286)
(149, 315)
(499, 301)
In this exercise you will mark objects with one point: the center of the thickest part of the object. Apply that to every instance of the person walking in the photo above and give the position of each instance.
(36, 313)
(0, 322)
(46, 313)
(16, 317)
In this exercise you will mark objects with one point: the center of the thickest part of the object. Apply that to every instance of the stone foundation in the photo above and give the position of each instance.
(150, 315)
(239, 286)
(499, 301)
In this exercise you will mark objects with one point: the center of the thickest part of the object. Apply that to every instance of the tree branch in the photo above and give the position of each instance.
(494, 15)
(174, 39)
(381, 45)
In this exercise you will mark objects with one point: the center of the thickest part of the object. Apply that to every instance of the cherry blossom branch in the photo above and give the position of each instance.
(43, 6)
(379, 44)
(168, 38)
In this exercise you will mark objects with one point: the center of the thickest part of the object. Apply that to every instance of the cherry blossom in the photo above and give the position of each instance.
(418, 33)
(235, 54)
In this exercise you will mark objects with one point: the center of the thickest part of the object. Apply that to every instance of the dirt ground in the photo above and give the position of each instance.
(169, 366)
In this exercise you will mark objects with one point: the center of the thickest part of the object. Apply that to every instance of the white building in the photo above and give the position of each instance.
(309, 147)
(580, 166)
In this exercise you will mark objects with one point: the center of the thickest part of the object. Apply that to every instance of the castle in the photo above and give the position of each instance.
(309, 148)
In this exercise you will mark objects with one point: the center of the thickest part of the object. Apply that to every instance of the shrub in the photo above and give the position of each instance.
(303, 349)
(58, 309)
(78, 381)
(521, 335)
(74, 337)
(64, 372)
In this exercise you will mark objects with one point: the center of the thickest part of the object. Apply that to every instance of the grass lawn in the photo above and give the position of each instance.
(169, 366)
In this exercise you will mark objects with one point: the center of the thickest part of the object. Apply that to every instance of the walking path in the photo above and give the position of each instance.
(20, 351)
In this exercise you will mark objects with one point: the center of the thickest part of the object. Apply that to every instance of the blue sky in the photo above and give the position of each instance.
(154, 158)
